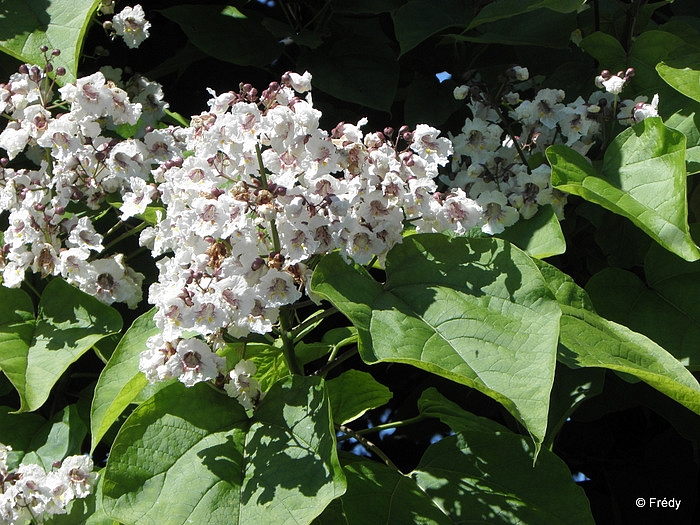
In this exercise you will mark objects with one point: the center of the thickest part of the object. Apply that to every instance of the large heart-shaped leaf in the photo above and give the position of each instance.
(34, 353)
(57, 24)
(665, 308)
(475, 311)
(194, 456)
(589, 340)
(643, 178)
(418, 20)
(485, 473)
(511, 8)
(226, 33)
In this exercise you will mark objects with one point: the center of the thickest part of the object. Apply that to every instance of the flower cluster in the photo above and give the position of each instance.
(243, 199)
(79, 163)
(262, 192)
(30, 494)
(495, 156)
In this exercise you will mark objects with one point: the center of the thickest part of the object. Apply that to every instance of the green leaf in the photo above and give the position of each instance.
(648, 49)
(571, 388)
(665, 309)
(226, 33)
(476, 311)
(34, 354)
(359, 66)
(682, 74)
(687, 121)
(379, 494)
(353, 393)
(501, 9)
(303, 38)
(121, 381)
(536, 28)
(485, 473)
(192, 455)
(418, 20)
(589, 340)
(268, 359)
(540, 236)
(57, 24)
(606, 49)
(643, 179)
(18, 431)
(57, 439)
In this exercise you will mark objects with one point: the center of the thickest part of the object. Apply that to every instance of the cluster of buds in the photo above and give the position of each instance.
(614, 83)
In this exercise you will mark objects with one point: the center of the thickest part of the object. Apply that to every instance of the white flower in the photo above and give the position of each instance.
(458, 213)
(198, 362)
(112, 281)
(643, 111)
(460, 92)
(612, 83)
(429, 146)
(300, 83)
(521, 73)
(242, 385)
(131, 25)
(497, 213)
(14, 139)
(77, 470)
(29, 493)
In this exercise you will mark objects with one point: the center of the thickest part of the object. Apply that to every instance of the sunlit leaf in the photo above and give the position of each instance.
(475, 311)
(354, 392)
(643, 179)
(540, 236)
(57, 24)
(194, 456)
(121, 381)
(34, 354)
(589, 340)
(664, 308)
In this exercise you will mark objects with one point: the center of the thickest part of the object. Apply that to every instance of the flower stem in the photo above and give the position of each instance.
(288, 343)
(321, 372)
(263, 182)
(371, 447)
(385, 426)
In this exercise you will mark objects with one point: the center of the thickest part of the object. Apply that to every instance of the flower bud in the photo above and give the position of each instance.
(257, 264)
(460, 92)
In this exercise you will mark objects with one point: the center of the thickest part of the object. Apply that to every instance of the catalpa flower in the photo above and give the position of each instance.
(131, 25)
